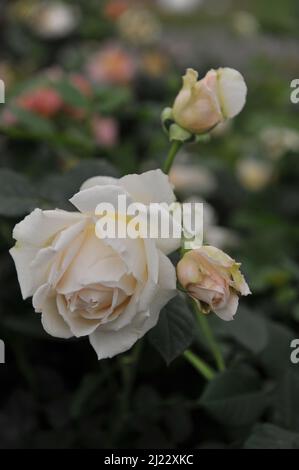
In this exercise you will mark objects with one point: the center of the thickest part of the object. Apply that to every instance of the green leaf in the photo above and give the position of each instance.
(178, 422)
(248, 329)
(275, 359)
(268, 436)
(34, 123)
(24, 325)
(17, 194)
(234, 398)
(111, 100)
(70, 94)
(58, 189)
(86, 389)
(174, 331)
(286, 401)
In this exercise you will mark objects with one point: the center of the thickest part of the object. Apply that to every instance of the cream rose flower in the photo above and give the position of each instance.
(214, 279)
(202, 104)
(111, 290)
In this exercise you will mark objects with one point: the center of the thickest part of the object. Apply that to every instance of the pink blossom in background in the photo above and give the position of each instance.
(8, 118)
(112, 65)
(105, 131)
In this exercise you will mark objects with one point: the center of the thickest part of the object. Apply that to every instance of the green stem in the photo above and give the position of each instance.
(211, 341)
(175, 147)
(201, 366)
(128, 368)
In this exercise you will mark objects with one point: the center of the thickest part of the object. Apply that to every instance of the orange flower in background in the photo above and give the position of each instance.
(112, 65)
(81, 83)
(43, 101)
(155, 63)
(115, 8)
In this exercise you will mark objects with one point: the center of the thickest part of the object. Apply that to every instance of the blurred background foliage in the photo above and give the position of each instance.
(85, 85)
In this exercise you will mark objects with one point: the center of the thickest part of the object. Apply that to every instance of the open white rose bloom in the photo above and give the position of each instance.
(109, 289)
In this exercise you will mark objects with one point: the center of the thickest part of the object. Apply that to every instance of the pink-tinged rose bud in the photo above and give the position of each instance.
(105, 131)
(214, 279)
(202, 104)
(44, 101)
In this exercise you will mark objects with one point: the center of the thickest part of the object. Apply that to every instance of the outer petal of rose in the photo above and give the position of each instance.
(22, 256)
(151, 186)
(40, 226)
(110, 343)
(88, 199)
(232, 91)
(218, 256)
(44, 265)
(64, 259)
(41, 296)
(131, 251)
(227, 313)
(52, 321)
(99, 181)
(95, 263)
(173, 241)
(166, 290)
(239, 284)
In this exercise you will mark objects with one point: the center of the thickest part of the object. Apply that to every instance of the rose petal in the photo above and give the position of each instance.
(52, 321)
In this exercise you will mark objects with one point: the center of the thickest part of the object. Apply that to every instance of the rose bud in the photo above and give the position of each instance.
(214, 279)
(202, 104)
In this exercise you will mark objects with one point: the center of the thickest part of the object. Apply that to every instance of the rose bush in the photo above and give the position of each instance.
(111, 290)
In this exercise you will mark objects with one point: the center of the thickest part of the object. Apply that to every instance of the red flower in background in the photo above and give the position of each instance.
(43, 101)
(115, 8)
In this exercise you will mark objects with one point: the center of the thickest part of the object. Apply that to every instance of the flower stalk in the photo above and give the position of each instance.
(210, 338)
(201, 366)
(174, 148)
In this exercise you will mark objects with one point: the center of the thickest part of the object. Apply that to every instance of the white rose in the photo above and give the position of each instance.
(111, 290)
